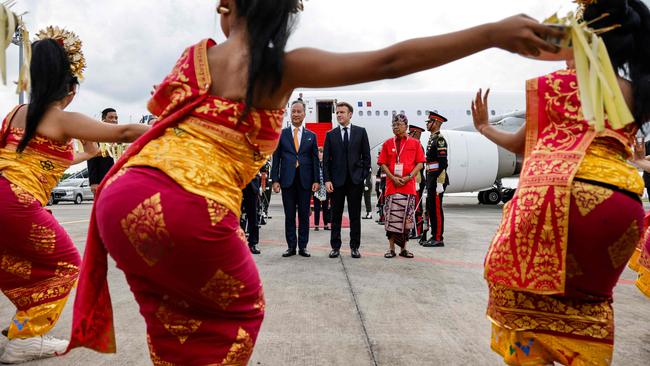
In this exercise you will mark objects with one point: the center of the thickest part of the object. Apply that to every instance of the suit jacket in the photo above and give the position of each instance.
(285, 157)
(358, 159)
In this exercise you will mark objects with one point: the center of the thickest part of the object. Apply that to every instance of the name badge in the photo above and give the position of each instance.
(399, 169)
(433, 166)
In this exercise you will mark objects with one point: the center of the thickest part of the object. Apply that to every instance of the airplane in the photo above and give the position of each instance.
(475, 163)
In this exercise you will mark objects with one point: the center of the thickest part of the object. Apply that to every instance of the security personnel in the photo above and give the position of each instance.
(437, 179)
(415, 132)
(250, 203)
(380, 190)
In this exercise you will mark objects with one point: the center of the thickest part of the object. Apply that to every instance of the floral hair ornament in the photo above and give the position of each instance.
(72, 45)
(600, 94)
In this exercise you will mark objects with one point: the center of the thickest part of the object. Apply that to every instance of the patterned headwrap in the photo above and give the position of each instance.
(400, 117)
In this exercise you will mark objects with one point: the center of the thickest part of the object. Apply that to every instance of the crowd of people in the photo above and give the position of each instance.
(312, 176)
(574, 223)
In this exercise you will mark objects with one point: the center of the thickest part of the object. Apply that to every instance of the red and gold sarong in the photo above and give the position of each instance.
(39, 263)
(560, 250)
(640, 261)
(168, 213)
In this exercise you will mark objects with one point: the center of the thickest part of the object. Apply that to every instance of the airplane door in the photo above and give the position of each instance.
(325, 111)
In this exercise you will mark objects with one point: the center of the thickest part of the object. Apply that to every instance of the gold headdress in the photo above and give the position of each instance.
(582, 4)
(72, 45)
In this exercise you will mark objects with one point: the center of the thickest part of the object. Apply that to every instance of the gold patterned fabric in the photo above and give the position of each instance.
(535, 349)
(606, 161)
(209, 160)
(37, 170)
(146, 230)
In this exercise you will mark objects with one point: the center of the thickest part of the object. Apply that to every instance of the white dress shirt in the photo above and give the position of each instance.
(343, 132)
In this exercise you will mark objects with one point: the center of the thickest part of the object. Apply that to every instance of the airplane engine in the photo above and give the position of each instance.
(476, 163)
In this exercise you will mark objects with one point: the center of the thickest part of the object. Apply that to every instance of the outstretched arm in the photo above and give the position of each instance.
(520, 34)
(514, 142)
(81, 127)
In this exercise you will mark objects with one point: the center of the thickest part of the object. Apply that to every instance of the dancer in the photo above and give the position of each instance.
(39, 263)
(576, 217)
(640, 261)
(168, 213)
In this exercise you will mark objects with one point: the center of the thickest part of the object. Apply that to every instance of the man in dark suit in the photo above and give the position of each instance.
(99, 166)
(296, 170)
(346, 162)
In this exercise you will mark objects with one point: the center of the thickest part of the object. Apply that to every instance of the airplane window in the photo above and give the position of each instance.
(394, 113)
(360, 113)
(385, 113)
(402, 112)
(493, 112)
(419, 112)
(369, 113)
(435, 111)
(469, 113)
(377, 113)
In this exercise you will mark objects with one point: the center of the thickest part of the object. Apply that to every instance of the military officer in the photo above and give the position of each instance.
(437, 178)
(415, 132)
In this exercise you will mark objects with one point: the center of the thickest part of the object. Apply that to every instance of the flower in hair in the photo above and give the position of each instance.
(72, 46)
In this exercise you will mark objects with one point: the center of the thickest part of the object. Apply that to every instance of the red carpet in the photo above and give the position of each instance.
(345, 222)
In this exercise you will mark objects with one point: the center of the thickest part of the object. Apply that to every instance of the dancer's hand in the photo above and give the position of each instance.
(480, 111)
(523, 35)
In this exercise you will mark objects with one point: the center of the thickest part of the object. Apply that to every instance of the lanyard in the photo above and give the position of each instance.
(401, 147)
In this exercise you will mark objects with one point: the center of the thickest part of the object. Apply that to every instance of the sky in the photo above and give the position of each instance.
(131, 45)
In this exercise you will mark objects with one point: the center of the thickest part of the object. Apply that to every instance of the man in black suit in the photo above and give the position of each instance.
(296, 170)
(346, 162)
(99, 166)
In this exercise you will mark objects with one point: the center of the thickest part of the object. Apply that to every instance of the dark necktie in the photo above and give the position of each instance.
(346, 139)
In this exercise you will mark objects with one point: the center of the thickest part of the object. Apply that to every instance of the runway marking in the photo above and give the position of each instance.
(75, 222)
(457, 263)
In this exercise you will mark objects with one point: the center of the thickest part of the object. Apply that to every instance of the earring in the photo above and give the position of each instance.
(223, 10)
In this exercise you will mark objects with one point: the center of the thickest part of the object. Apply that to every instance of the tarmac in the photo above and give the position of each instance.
(372, 311)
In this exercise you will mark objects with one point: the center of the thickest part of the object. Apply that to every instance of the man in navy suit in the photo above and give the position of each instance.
(346, 164)
(296, 170)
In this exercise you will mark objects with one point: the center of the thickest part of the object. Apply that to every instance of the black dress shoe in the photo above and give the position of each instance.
(334, 253)
(327, 227)
(355, 253)
(433, 243)
(304, 253)
(289, 253)
(316, 228)
(254, 249)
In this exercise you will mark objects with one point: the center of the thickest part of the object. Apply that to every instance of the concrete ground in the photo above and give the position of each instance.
(370, 311)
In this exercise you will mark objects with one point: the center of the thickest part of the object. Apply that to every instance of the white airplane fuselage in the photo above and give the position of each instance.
(475, 163)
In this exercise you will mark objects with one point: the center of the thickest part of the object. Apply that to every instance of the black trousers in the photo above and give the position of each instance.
(322, 206)
(353, 193)
(296, 198)
(436, 215)
(250, 203)
(366, 198)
